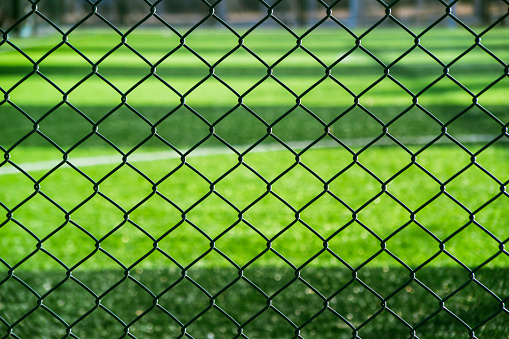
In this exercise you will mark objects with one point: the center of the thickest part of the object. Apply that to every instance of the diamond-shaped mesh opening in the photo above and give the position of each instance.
(217, 323)
(134, 128)
(442, 217)
(182, 69)
(384, 274)
(458, 100)
(396, 159)
(83, 38)
(414, 128)
(213, 94)
(23, 185)
(405, 306)
(462, 130)
(187, 120)
(70, 301)
(326, 215)
(309, 69)
(217, 43)
(478, 307)
(180, 180)
(253, 187)
(269, 323)
(354, 244)
(444, 169)
(494, 160)
(416, 70)
(98, 224)
(328, 43)
(355, 128)
(179, 299)
(127, 196)
(487, 69)
(111, 325)
(298, 125)
(78, 245)
(212, 160)
(473, 180)
(260, 42)
(148, 41)
(42, 323)
(270, 100)
(153, 98)
(284, 244)
(241, 70)
(402, 241)
(15, 305)
(12, 233)
(298, 186)
(269, 280)
(328, 100)
(324, 153)
(18, 64)
(492, 217)
(192, 244)
(154, 323)
(20, 125)
(463, 243)
(25, 97)
(239, 127)
(65, 59)
(302, 305)
(355, 186)
(356, 304)
(130, 236)
(241, 301)
(127, 289)
(65, 118)
(156, 216)
(269, 216)
(327, 323)
(387, 323)
(234, 244)
(376, 41)
(111, 273)
(428, 188)
(281, 160)
(73, 194)
(357, 71)
(123, 56)
(213, 215)
(376, 98)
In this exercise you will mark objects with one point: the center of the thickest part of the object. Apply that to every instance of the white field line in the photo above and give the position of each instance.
(210, 151)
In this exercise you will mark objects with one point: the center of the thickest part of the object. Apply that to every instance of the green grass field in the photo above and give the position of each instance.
(99, 221)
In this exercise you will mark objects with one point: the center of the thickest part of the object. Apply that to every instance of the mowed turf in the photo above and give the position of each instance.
(165, 215)
(212, 116)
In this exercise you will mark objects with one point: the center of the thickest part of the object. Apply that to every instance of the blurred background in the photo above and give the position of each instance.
(293, 13)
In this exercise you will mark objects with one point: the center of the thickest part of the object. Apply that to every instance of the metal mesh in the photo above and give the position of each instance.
(254, 278)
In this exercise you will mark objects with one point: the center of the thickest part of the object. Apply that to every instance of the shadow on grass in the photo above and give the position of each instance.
(215, 303)
(127, 128)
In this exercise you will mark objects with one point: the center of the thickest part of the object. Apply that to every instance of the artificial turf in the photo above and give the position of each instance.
(112, 215)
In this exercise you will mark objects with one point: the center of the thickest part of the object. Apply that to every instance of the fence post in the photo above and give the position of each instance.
(221, 10)
(354, 6)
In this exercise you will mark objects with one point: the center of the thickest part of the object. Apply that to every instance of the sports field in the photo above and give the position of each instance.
(225, 206)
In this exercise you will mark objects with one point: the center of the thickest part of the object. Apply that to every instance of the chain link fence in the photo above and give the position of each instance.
(272, 169)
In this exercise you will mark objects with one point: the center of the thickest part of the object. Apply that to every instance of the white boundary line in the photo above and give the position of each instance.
(210, 151)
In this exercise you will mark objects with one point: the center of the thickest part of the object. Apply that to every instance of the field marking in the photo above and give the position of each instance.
(211, 151)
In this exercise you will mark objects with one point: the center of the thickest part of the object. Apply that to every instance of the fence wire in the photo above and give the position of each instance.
(351, 293)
